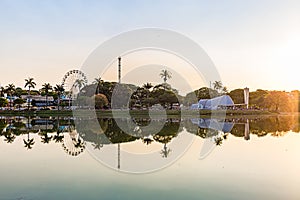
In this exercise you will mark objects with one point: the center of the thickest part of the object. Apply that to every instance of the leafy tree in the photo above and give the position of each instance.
(277, 101)
(100, 101)
(19, 102)
(3, 102)
(237, 96)
(18, 92)
(257, 98)
(224, 90)
(295, 100)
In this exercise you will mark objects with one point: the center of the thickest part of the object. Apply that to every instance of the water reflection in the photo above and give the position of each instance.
(62, 130)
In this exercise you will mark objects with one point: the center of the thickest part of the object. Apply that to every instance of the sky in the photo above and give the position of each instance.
(252, 43)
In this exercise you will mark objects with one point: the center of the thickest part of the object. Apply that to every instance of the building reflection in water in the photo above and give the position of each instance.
(61, 130)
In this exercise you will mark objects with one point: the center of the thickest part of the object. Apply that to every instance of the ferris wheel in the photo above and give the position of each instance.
(73, 81)
(73, 144)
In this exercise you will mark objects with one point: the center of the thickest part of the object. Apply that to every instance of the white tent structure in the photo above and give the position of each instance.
(214, 103)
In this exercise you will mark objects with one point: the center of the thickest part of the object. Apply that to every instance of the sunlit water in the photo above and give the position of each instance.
(265, 166)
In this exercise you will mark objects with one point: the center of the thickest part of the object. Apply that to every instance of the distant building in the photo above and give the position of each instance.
(38, 100)
(214, 103)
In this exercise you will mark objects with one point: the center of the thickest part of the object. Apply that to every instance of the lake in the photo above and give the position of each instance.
(189, 158)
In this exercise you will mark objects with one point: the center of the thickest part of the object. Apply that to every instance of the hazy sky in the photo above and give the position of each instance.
(252, 43)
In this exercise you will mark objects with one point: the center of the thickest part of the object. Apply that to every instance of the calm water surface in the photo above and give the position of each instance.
(48, 158)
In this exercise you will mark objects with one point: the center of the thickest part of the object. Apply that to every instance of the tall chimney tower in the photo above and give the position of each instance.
(119, 69)
(246, 96)
(119, 146)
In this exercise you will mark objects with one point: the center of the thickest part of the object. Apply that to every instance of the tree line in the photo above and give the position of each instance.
(142, 97)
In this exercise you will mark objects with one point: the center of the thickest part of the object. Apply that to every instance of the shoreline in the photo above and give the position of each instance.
(145, 113)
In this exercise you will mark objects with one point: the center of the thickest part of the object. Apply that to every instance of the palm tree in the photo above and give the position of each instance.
(10, 89)
(31, 84)
(79, 83)
(218, 85)
(147, 87)
(2, 90)
(165, 75)
(59, 89)
(9, 136)
(99, 83)
(47, 87)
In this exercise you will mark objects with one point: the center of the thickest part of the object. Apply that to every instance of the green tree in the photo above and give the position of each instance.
(237, 96)
(3, 102)
(100, 101)
(18, 92)
(277, 101)
(147, 87)
(257, 98)
(47, 88)
(59, 89)
(19, 102)
(10, 89)
(99, 84)
(79, 83)
(30, 84)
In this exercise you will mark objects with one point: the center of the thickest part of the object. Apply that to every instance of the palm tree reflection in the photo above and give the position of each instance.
(97, 145)
(58, 138)
(46, 138)
(29, 142)
(218, 140)
(9, 138)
